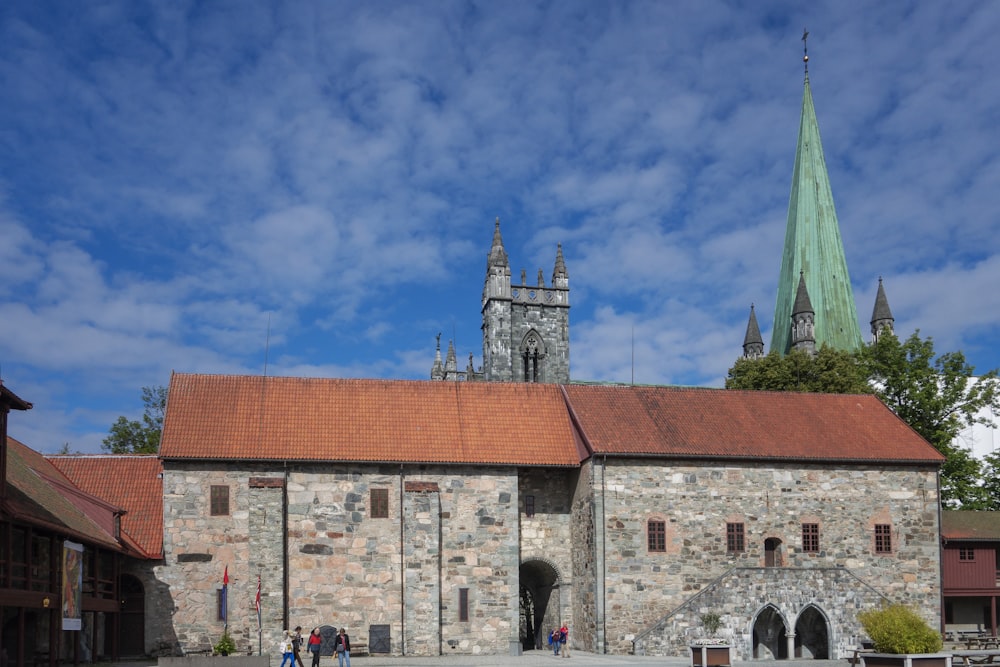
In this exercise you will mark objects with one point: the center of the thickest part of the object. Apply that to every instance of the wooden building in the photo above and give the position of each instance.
(970, 562)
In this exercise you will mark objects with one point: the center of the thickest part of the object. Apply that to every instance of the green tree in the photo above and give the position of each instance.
(830, 371)
(938, 397)
(134, 437)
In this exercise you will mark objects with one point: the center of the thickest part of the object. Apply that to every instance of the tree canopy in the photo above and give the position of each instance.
(135, 437)
(937, 396)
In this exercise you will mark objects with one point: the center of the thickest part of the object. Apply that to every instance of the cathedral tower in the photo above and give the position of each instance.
(814, 252)
(525, 327)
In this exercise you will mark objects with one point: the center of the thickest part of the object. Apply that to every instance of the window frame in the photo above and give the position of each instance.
(810, 538)
(966, 555)
(529, 505)
(378, 498)
(463, 605)
(883, 538)
(735, 537)
(218, 502)
(656, 536)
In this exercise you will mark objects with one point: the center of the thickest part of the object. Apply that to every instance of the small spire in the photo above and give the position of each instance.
(560, 269)
(882, 319)
(437, 369)
(541, 278)
(753, 343)
(802, 302)
(498, 256)
(805, 50)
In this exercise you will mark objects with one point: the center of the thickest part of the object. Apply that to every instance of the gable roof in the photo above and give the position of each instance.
(131, 481)
(40, 495)
(725, 423)
(968, 526)
(312, 419)
(496, 423)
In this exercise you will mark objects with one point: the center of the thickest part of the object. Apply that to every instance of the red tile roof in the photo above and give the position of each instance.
(970, 526)
(308, 419)
(131, 481)
(221, 417)
(682, 422)
(40, 495)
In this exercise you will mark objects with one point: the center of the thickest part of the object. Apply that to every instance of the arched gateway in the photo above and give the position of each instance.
(539, 602)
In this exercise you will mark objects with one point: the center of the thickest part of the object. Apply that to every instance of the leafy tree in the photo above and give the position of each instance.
(830, 371)
(937, 397)
(991, 481)
(134, 437)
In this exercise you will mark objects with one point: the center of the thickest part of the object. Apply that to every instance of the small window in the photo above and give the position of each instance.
(656, 535)
(529, 506)
(810, 537)
(220, 500)
(734, 537)
(966, 554)
(221, 604)
(883, 538)
(380, 503)
(463, 604)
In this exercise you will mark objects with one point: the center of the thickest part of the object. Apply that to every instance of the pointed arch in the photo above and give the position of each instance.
(812, 634)
(532, 353)
(770, 628)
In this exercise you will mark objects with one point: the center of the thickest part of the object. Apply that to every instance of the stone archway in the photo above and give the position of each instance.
(812, 634)
(539, 602)
(770, 635)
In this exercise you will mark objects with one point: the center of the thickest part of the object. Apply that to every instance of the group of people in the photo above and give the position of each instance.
(291, 646)
(558, 641)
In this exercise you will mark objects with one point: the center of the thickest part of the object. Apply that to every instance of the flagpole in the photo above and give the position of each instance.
(260, 630)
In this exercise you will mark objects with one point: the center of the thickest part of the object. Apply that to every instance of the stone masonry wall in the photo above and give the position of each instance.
(697, 500)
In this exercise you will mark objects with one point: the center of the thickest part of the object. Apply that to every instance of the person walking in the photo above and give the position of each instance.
(315, 641)
(297, 645)
(287, 652)
(564, 640)
(554, 641)
(342, 647)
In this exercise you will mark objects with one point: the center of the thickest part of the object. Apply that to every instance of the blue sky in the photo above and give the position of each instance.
(184, 186)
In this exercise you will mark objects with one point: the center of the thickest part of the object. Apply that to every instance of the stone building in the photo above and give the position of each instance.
(461, 518)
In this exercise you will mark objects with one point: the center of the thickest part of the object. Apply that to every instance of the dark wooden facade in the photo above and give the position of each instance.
(970, 562)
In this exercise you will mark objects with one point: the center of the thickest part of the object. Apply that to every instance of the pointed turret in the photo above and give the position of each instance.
(803, 329)
(450, 361)
(882, 319)
(560, 277)
(753, 343)
(437, 369)
(813, 243)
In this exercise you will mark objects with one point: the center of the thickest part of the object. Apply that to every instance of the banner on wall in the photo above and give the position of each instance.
(72, 585)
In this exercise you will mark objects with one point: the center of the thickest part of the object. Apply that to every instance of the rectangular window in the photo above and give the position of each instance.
(529, 506)
(463, 604)
(883, 538)
(734, 537)
(380, 503)
(220, 604)
(810, 537)
(966, 554)
(656, 535)
(219, 500)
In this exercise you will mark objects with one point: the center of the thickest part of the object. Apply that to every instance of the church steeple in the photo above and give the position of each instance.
(813, 244)
(882, 319)
(753, 343)
(803, 328)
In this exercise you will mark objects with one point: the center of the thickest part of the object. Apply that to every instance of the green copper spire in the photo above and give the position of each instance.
(813, 249)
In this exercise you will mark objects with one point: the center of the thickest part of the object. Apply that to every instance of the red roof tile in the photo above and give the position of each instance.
(308, 419)
(130, 481)
(39, 494)
(688, 422)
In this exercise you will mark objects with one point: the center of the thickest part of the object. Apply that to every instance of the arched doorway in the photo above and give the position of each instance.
(772, 552)
(539, 602)
(769, 631)
(132, 625)
(812, 636)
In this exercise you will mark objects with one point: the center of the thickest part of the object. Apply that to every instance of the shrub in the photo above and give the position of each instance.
(226, 645)
(898, 629)
(712, 622)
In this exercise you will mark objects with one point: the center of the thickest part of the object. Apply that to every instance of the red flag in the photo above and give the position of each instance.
(224, 598)
(225, 576)
(257, 603)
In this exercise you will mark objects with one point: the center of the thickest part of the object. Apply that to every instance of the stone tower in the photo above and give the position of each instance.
(525, 327)
(814, 252)
(803, 328)
(753, 343)
(882, 320)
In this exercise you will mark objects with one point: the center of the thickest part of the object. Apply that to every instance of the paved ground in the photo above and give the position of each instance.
(528, 659)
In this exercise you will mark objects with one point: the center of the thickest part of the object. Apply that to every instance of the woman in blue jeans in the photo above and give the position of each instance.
(342, 647)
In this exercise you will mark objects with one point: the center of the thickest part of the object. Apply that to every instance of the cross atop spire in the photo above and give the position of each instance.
(805, 49)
